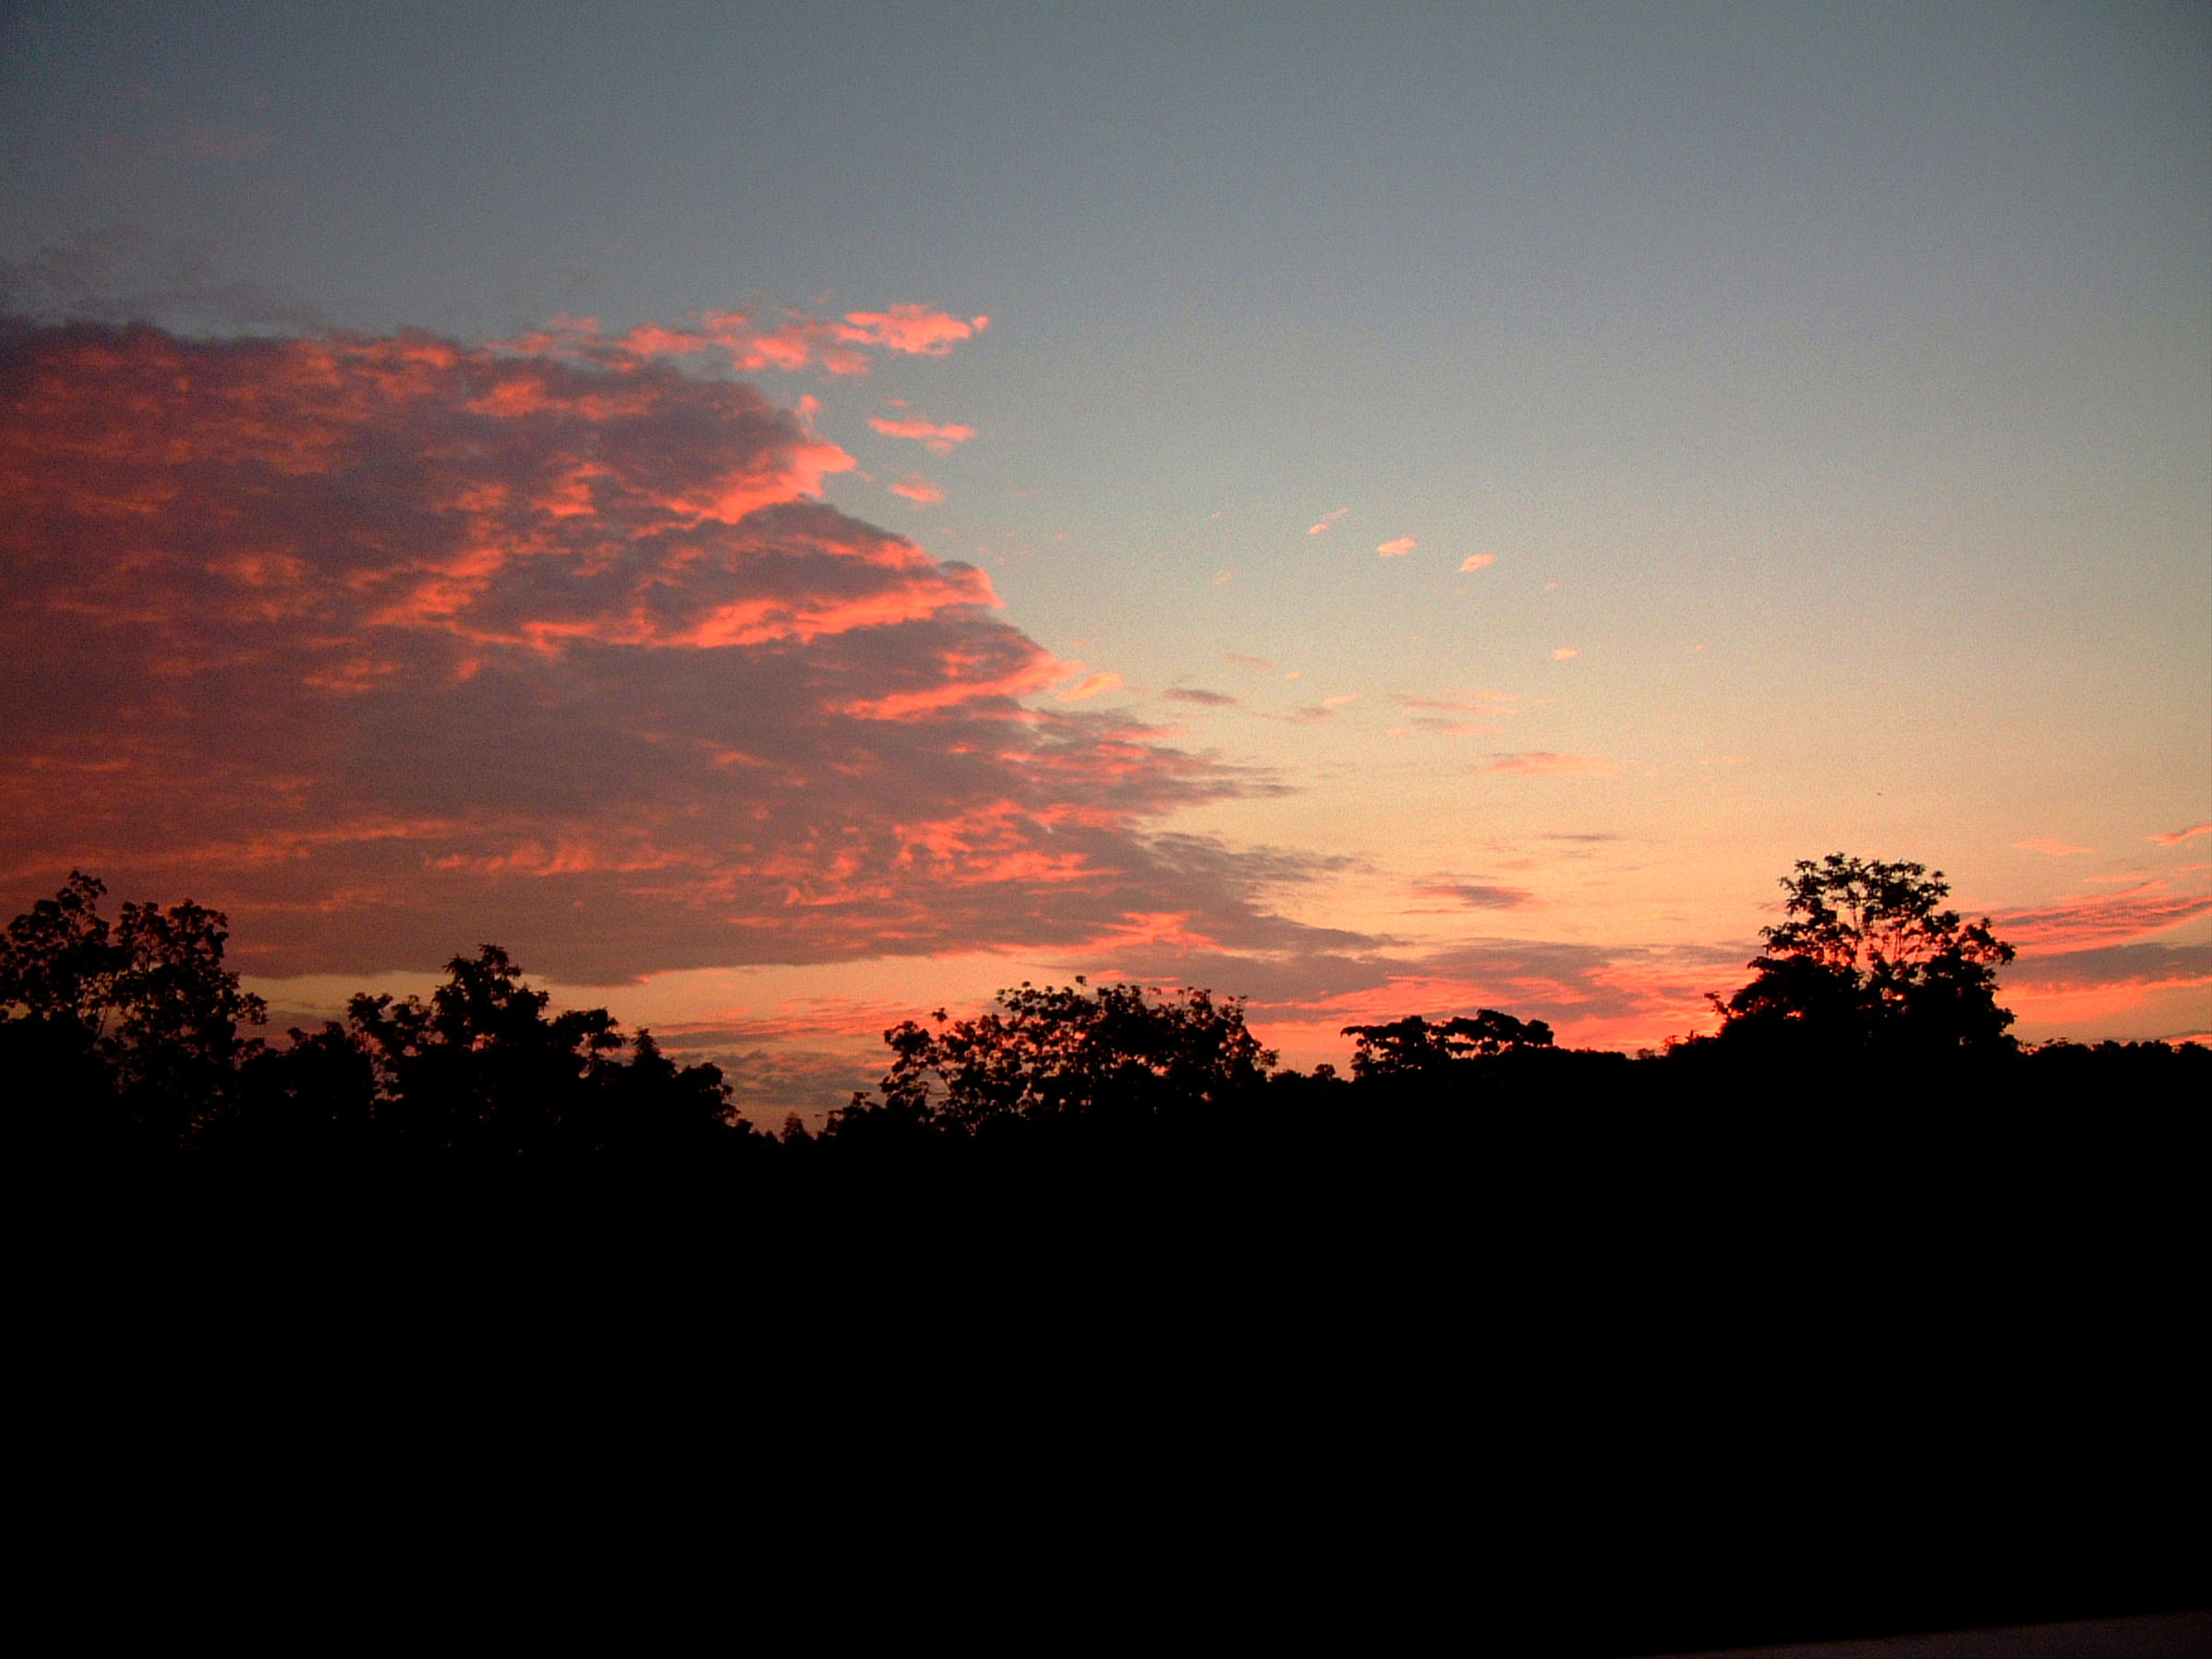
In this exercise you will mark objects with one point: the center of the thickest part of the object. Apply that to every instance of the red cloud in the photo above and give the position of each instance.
(390, 645)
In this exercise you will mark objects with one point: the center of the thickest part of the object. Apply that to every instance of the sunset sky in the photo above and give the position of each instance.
(787, 517)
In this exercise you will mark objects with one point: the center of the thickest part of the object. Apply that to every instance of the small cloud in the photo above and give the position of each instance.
(1477, 562)
(1209, 700)
(915, 488)
(1398, 549)
(938, 439)
(1090, 686)
(1472, 702)
(1543, 763)
(1296, 674)
(2179, 836)
(1327, 519)
(1241, 661)
(1338, 703)
(1224, 579)
(1551, 587)
(918, 330)
(1565, 654)
(2051, 847)
(1476, 895)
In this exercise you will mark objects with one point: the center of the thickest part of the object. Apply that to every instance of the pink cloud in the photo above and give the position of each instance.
(918, 330)
(938, 439)
(795, 340)
(1565, 654)
(2101, 919)
(1477, 562)
(388, 645)
(915, 488)
(1398, 549)
(2177, 837)
(1543, 763)
(1321, 526)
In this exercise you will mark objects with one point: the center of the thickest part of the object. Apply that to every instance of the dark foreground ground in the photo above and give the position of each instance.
(1541, 1371)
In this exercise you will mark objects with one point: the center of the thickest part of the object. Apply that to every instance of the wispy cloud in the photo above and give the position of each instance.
(790, 341)
(2177, 837)
(1477, 562)
(1466, 703)
(2103, 918)
(1210, 699)
(938, 439)
(915, 488)
(1398, 549)
(1474, 894)
(1321, 526)
(1543, 763)
(1090, 686)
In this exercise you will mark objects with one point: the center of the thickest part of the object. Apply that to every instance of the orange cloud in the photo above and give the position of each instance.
(1565, 654)
(2177, 837)
(938, 439)
(1322, 525)
(1477, 562)
(915, 488)
(1398, 549)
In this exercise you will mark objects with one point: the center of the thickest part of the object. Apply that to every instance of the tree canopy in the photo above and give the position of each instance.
(1413, 1045)
(1055, 1051)
(1867, 957)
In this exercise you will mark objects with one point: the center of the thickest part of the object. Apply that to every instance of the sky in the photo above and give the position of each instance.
(789, 517)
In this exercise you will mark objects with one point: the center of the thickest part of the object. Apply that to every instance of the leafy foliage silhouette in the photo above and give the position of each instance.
(1414, 1046)
(1068, 1051)
(146, 1004)
(1868, 959)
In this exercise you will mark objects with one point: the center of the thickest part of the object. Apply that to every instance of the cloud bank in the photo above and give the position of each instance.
(390, 645)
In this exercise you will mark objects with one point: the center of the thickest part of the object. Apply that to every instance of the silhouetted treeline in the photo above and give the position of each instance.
(125, 1041)
(1854, 1318)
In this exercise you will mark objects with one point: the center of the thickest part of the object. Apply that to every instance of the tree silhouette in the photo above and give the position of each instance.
(137, 1024)
(1069, 1052)
(1867, 958)
(482, 1069)
(1413, 1046)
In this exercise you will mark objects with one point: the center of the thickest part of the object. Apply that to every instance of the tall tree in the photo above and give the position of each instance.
(1868, 956)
